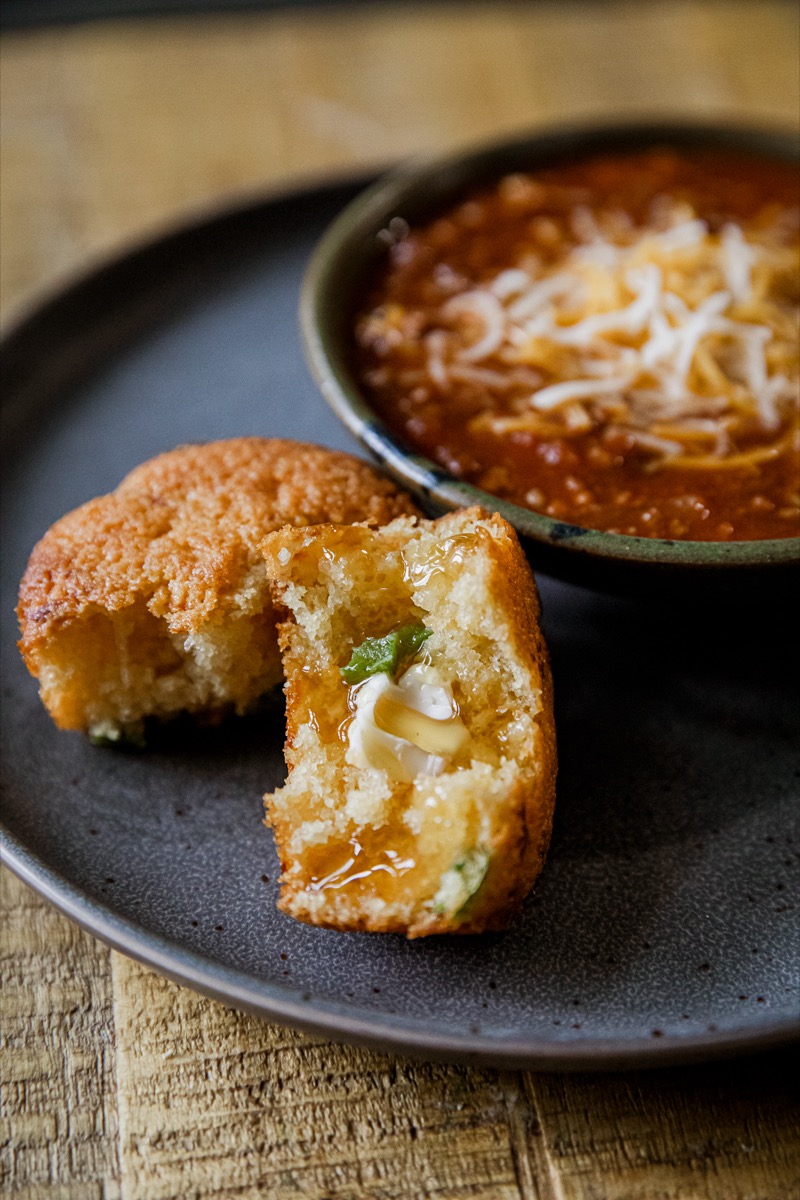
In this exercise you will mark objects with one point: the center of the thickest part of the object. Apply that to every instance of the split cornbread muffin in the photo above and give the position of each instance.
(420, 734)
(154, 600)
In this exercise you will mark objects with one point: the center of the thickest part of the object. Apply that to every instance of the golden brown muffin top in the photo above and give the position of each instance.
(183, 529)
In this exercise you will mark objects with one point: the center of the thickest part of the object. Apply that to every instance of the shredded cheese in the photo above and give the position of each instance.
(687, 339)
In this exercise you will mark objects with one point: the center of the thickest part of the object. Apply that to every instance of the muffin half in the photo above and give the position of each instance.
(154, 600)
(420, 735)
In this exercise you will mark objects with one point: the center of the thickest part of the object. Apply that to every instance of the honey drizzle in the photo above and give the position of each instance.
(451, 552)
(338, 878)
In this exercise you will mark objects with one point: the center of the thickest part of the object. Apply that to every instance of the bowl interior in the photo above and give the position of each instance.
(350, 251)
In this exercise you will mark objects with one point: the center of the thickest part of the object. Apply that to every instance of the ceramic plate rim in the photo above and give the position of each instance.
(268, 999)
(396, 1035)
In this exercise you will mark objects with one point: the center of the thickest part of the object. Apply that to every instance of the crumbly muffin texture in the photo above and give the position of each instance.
(154, 599)
(419, 799)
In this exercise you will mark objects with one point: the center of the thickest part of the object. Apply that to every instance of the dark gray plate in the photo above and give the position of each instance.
(664, 924)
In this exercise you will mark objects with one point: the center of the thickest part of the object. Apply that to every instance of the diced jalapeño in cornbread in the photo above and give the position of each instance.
(461, 883)
(375, 655)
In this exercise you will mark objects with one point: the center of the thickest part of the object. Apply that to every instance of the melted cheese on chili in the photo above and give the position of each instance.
(615, 343)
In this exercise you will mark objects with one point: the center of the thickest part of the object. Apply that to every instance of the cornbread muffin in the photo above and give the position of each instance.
(420, 740)
(153, 600)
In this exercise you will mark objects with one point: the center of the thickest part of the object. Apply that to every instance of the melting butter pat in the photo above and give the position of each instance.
(407, 728)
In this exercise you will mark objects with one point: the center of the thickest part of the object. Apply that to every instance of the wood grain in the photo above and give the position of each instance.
(118, 1083)
(59, 1118)
(112, 129)
(217, 1104)
(221, 1103)
(726, 1130)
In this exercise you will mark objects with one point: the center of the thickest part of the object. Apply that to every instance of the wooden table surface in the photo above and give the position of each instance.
(116, 1082)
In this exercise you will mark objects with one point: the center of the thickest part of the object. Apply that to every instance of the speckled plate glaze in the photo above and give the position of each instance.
(664, 925)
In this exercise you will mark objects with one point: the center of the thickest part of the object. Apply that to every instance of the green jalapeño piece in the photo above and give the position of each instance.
(125, 737)
(458, 885)
(385, 654)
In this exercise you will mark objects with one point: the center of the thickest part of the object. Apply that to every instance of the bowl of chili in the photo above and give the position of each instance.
(590, 331)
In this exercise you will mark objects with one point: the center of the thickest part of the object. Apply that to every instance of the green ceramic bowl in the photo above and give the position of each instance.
(347, 254)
